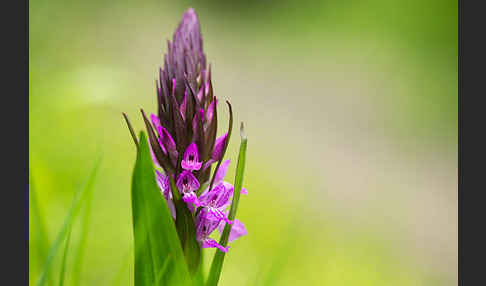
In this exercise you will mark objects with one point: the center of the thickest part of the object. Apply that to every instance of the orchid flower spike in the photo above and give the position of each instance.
(183, 136)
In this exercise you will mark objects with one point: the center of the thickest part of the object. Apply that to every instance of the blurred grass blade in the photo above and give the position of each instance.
(217, 264)
(155, 235)
(62, 273)
(68, 221)
(272, 268)
(83, 236)
(38, 224)
(125, 265)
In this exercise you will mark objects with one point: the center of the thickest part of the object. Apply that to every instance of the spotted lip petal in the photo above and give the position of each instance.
(214, 197)
(190, 198)
(190, 160)
(204, 227)
(186, 182)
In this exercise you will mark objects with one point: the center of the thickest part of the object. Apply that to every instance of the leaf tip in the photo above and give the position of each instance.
(242, 131)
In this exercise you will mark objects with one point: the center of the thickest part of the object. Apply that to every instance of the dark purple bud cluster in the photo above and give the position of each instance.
(187, 107)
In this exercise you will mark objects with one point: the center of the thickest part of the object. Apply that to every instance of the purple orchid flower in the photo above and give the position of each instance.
(187, 184)
(215, 201)
(204, 227)
(190, 160)
(219, 177)
(183, 135)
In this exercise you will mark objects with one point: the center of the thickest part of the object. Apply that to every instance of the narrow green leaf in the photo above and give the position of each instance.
(217, 264)
(79, 253)
(162, 270)
(155, 235)
(39, 229)
(62, 273)
(68, 221)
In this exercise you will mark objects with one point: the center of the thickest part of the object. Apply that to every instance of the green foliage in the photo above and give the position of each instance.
(218, 259)
(62, 273)
(78, 200)
(83, 236)
(159, 259)
(186, 231)
(125, 264)
(38, 225)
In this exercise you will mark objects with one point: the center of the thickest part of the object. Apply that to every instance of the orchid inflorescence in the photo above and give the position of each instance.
(183, 138)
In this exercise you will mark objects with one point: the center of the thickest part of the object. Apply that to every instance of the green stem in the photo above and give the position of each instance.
(218, 259)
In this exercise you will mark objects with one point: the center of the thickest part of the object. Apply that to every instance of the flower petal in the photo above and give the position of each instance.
(217, 214)
(205, 224)
(211, 243)
(186, 182)
(163, 183)
(219, 147)
(238, 229)
(191, 199)
(190, 159)
(219, 176)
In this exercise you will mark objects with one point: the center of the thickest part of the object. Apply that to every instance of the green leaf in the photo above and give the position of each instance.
(155, 235)
(62, 273)
(186, 231)
(39, 232)
(217, 264)
(79, 254)
(68, 221)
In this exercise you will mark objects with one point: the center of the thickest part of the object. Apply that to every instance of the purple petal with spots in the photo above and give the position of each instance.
(190, 198)
(204, 225)
(186, 182)
(217, 215)
(212, 197)
(211, 243)
(190, 159)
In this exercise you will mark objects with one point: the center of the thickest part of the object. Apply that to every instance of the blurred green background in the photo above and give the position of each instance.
(350, 109)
